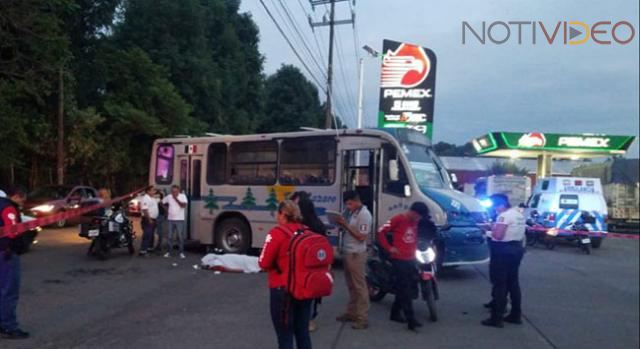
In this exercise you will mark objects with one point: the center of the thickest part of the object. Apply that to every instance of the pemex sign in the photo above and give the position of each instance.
(551, 142)
(407, 87)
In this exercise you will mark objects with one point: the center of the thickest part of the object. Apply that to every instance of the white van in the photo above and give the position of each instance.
(558, 202)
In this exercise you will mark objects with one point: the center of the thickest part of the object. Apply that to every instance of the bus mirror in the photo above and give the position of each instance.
(394, 172)
(407, 190)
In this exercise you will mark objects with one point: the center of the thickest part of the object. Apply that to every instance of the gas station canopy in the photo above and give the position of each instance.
(548, 146)
(558, 146)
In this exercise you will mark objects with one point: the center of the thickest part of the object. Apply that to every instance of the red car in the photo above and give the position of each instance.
(54, 199)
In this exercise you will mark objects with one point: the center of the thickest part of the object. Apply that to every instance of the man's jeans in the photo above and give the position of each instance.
(9, 291)
(148, 230)
(160, 224)
(176, 227)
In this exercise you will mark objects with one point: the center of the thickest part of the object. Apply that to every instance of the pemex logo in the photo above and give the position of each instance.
(533, 139)
(406, 67)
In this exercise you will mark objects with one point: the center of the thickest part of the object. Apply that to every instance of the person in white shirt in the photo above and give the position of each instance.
(506, 255)
(176, 203)
(149, 207)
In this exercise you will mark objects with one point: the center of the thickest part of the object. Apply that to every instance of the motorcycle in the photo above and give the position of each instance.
(579, 236)
(380, 278)
(111, 230)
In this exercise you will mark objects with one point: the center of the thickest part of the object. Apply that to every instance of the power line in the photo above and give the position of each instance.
(317, 81)
(348, 93)
(303, 38)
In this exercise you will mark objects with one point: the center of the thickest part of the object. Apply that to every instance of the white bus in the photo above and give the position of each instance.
(235, 183)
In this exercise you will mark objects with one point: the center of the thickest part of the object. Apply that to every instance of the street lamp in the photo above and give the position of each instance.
(373, 54)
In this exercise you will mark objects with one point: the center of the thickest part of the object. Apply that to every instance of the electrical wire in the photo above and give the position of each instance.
(295, 25)
(304, 64)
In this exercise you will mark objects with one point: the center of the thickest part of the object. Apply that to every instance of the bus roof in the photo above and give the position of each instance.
(407, 135)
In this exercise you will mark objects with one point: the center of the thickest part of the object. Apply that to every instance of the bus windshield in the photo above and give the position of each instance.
(427, 172)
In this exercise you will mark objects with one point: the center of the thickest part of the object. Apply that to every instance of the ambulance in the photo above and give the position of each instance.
(559, 203)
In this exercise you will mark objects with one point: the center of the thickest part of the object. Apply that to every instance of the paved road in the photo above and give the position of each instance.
(70, 301)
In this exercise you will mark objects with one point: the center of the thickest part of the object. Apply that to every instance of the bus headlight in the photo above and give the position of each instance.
(427, 256)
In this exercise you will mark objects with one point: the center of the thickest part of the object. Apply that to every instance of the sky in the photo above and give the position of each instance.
(557, 88)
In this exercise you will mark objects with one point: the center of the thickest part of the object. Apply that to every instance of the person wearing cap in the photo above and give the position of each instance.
(506, 243)
(403, 230)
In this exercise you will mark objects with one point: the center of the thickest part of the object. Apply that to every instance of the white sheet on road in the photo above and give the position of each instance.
(231, 263)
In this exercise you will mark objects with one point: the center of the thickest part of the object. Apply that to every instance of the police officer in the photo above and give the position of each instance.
(402, 250)
(507, 251)
(10, 266)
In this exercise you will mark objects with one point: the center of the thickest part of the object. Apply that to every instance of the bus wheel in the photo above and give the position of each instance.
(233, 236)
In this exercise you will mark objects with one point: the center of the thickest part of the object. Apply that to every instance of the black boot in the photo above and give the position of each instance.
(414, 324)
(493, 322)
(513, 319)
(396, 314)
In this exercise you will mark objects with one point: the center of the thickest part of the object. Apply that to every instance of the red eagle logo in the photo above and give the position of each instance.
(405, 67)
(533, 139)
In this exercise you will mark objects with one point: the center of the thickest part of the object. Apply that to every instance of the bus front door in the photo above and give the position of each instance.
(361, 174)
(190, 182)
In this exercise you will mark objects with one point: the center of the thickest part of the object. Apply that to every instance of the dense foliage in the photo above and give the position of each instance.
(132, 71)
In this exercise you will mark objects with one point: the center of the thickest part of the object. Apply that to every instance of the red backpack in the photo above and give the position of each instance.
(310, 257)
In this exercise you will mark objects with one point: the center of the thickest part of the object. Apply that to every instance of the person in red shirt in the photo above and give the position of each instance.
(403, 233)
(290, 317)
(10, 266)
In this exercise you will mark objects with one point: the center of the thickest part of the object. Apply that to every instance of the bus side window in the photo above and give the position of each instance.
(309, 161)
(217, 164)
(164, 164)
(253, 163)
(389, 184)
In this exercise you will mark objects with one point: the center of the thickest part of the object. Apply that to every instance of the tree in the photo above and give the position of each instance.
(291, 102)
(503, 168)
(33, 50)
(211, 54)
(448, 149)
(249, 201)
(272, 201)
(211, 202)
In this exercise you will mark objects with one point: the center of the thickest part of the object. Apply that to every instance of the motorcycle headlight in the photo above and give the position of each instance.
(486, 203)
(43, 208)
(119, 218)
(426, 256)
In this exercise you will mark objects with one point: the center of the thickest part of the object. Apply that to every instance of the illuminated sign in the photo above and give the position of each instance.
(550, 142)
(407, 87)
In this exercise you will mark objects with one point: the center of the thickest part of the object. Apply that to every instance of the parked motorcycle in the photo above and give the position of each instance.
(380, 278)
(111, 230)
(579, 235)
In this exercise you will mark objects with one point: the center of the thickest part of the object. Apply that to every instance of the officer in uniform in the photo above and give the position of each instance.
(10, 265)
(507, 235)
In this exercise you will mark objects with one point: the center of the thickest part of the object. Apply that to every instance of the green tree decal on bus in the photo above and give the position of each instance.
(249, 201)
(211, 202)
(272, 201)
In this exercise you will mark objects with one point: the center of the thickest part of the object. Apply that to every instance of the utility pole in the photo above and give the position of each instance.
(60, 150)
(328, 119)
(373, 54)
(331, 23)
